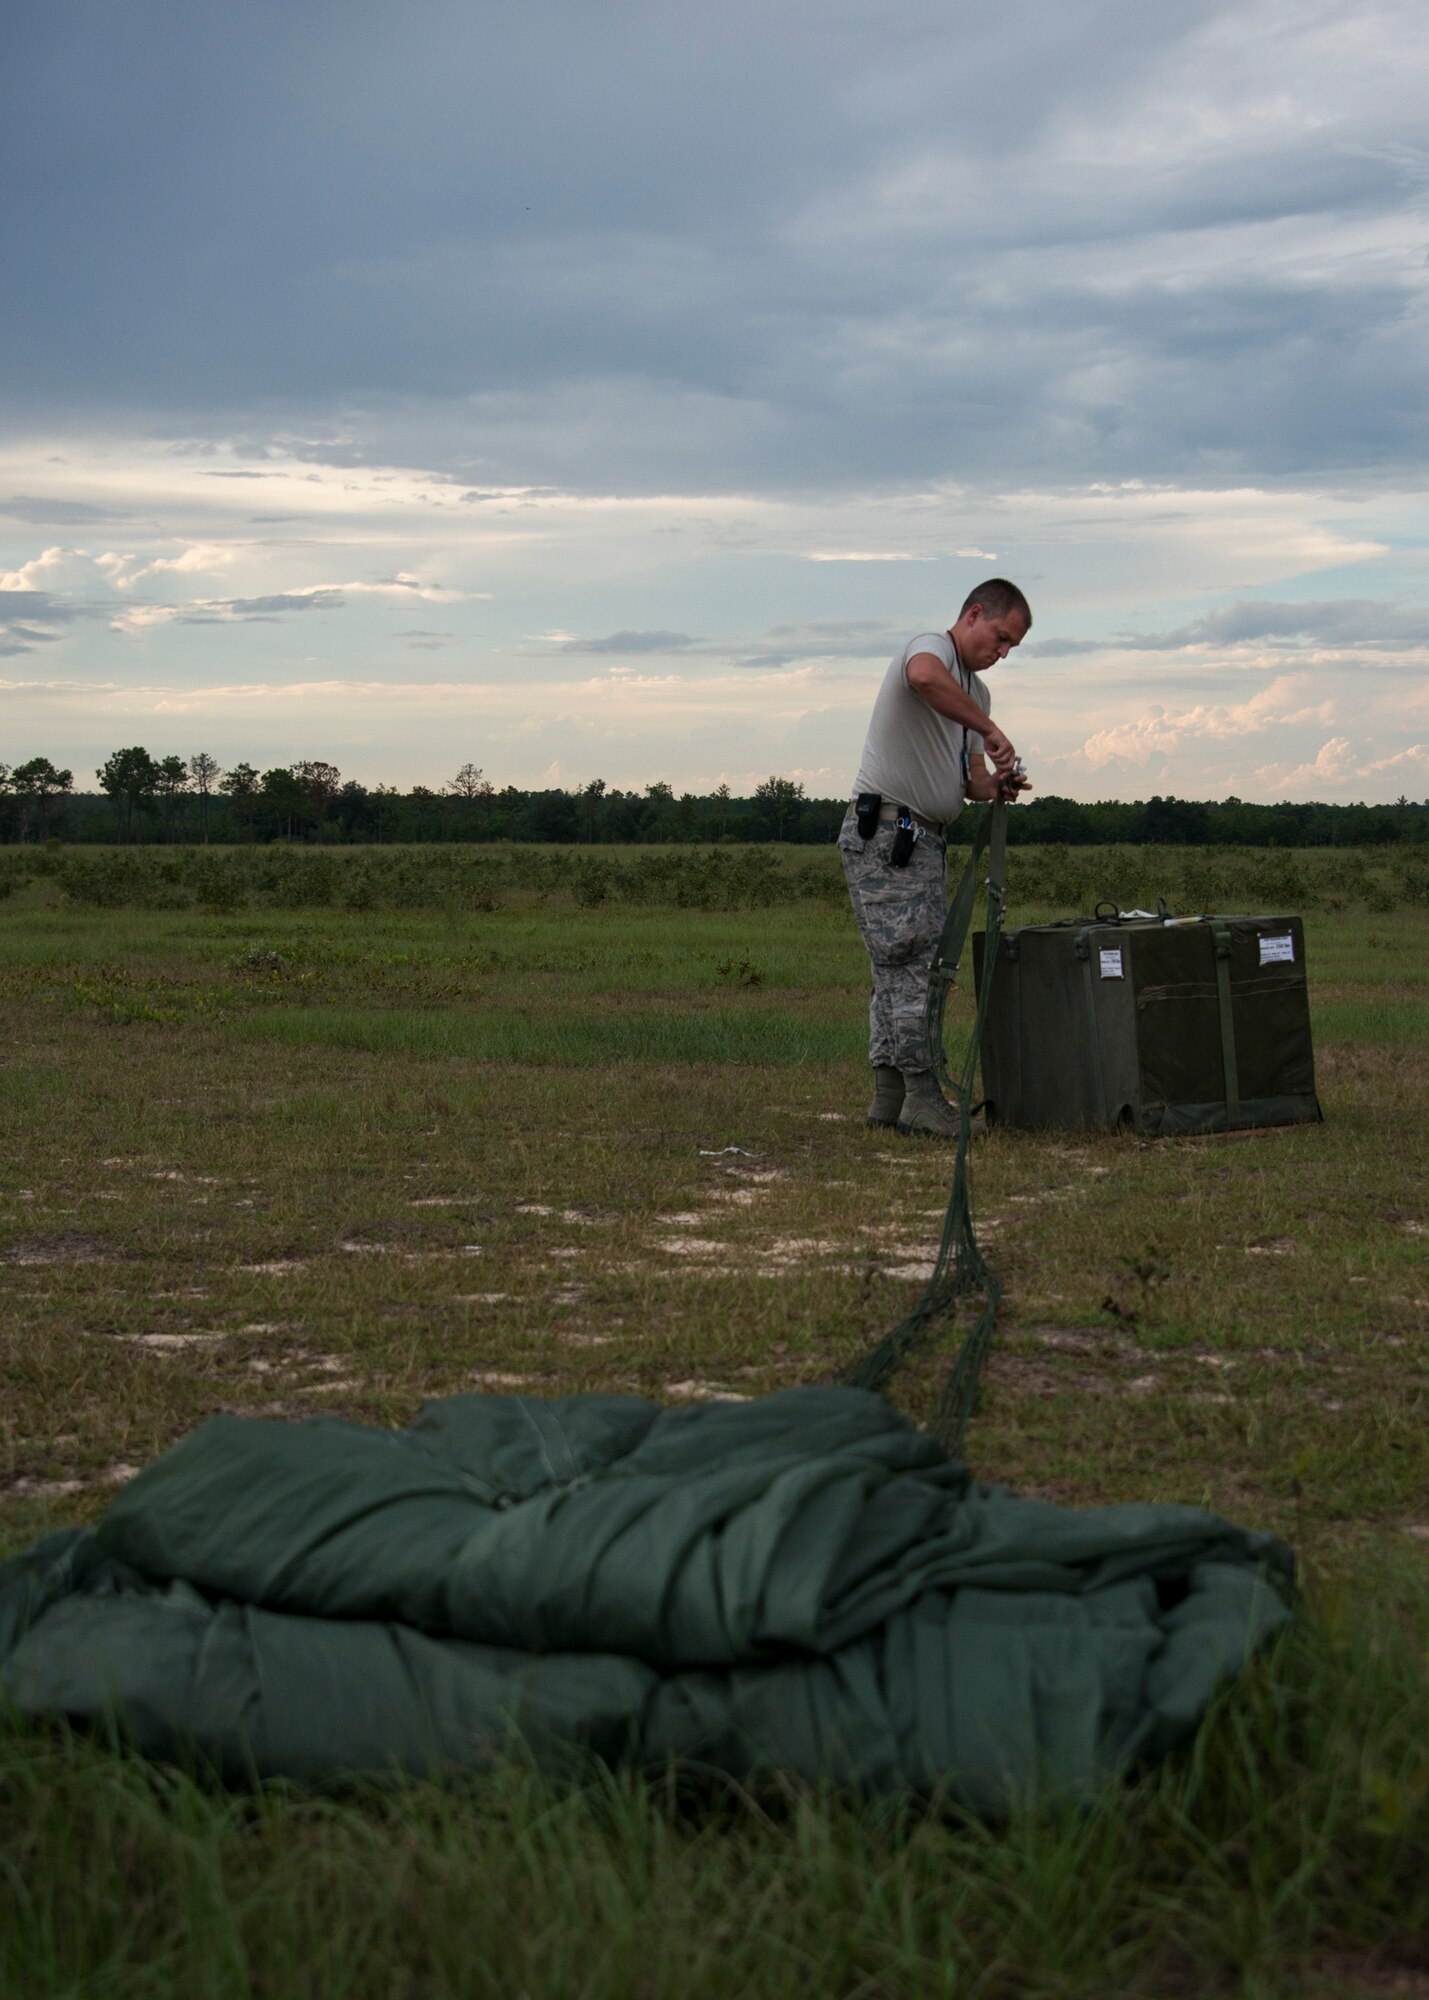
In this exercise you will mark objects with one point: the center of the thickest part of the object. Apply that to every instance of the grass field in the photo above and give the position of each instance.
(347, 1156)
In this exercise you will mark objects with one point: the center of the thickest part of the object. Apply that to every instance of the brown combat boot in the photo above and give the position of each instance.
(887, 1096)
(926, 1111)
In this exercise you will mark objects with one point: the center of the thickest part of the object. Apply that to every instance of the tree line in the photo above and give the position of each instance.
(142, 798)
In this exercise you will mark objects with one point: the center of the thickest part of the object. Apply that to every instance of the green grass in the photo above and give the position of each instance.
(304, 1160)
(637, 1035)
(1351, 1023)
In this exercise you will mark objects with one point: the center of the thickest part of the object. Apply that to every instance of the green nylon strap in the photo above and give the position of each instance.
(1223, 989)
(959, 1268)
(947, 955)
(1083, 949)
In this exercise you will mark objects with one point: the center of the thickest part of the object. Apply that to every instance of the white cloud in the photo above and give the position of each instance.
(1339, 765)
(198, 559)
(1335, 762)
(1278, 706)
(59, 570)
(1135, 743)
(143, 617)
(1411, 762)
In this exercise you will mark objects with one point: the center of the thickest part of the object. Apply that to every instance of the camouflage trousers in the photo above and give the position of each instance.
(899, 913)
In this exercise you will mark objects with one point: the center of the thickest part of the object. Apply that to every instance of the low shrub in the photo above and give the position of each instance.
(1070, 881)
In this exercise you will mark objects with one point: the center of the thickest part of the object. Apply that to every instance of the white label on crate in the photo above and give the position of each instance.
(1111, 963)
(1277, 951)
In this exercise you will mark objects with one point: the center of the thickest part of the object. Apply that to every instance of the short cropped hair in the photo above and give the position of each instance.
(999, 599)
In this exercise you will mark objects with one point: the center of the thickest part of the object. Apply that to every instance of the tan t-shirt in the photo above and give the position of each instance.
(912, 755)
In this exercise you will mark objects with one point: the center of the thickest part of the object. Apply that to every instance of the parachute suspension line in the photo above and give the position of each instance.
(959, 1270)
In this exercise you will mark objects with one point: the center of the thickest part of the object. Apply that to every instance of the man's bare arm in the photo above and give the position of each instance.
(931, 681)
(984, 784)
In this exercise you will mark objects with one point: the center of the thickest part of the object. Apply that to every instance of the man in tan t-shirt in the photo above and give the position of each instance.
(928, 743)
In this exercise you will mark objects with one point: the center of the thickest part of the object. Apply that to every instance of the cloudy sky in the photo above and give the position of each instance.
(607, 389)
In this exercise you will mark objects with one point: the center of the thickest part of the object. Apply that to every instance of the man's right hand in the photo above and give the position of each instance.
(997, 747)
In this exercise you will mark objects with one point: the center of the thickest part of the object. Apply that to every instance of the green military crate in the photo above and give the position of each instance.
(1167, 1026)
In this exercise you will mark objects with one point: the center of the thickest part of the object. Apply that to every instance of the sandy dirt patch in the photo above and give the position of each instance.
(68, 1247)
(702, 1392)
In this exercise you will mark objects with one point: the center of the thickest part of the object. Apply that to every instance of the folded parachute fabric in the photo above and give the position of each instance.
(803, 1583)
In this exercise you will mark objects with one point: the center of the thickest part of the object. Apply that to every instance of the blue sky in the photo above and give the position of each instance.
(608, 390)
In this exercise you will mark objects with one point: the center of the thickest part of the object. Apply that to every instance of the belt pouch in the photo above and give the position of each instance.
(904, 837)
